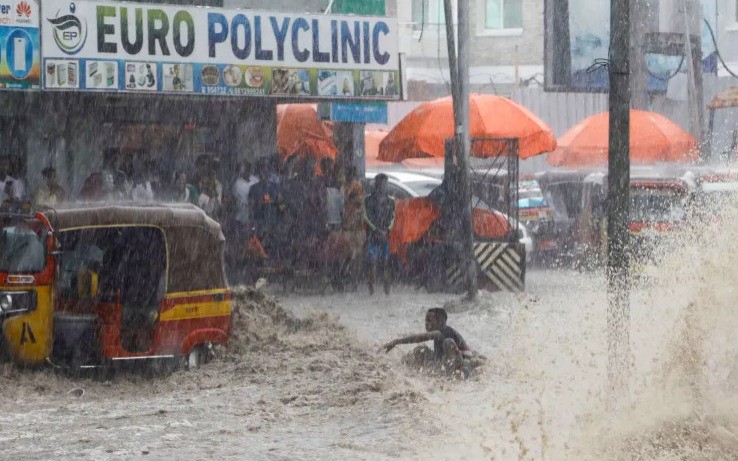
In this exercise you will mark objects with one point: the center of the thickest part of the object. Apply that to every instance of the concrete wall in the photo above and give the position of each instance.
(496, 56)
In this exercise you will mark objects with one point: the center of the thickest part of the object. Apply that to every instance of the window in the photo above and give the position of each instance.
(22, 248)
(503, 14)
(428, 12)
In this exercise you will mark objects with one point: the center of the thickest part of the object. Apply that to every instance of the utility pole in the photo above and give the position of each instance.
(463, 133)
(459, 70)
(453, 70)
(645, 19)
(618, 260)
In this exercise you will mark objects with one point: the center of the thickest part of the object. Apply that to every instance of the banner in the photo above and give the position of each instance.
(19, 45)
(101, 46)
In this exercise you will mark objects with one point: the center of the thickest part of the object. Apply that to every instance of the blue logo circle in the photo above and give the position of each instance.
(19, 54)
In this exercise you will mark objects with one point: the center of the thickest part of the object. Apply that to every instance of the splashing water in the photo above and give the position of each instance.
(545, 395)
(312, 382)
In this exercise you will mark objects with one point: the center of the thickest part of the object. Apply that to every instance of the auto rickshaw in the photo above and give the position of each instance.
(91, 285)
(659, 200)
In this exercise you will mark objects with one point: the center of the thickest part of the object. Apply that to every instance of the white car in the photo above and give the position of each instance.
(403, 185)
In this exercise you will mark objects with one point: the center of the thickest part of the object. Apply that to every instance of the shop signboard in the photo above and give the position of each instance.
(116, 46)
(373, 7)
(353, 112)
(19, 45)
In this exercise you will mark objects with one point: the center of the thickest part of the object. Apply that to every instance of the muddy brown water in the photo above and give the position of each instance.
(302, 379)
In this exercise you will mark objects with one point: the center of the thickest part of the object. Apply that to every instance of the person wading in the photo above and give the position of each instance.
(450, 350)
(379, 215)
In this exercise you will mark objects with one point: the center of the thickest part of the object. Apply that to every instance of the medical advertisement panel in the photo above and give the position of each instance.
(19, 45)
(100, 46)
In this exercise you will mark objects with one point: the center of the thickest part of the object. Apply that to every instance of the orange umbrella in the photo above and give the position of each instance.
(372, 138)
(413, 218)
(423, 131)
(299, 132)
(653, 138)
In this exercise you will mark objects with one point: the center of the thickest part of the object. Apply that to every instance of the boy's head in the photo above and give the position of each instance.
(380, 185)
(435, 318)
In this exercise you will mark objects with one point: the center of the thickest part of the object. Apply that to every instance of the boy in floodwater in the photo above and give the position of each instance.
(449, 348)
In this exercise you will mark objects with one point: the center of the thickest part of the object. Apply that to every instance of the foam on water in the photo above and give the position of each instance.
(545, 394)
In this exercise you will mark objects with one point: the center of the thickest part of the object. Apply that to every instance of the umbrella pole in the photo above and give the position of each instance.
(618, 311)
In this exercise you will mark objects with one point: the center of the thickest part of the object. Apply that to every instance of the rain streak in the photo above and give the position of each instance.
(368, 229)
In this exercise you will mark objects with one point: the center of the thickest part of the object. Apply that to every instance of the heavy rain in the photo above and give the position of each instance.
(369, 229)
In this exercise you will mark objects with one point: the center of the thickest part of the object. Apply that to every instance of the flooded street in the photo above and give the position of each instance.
(185, 199)
(302, 377)
(308, 382)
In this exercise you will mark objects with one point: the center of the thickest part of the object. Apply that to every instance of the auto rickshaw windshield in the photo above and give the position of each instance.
(656, 206)
(22, 248)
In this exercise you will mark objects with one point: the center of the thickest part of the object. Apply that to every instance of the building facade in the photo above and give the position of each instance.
(75, 131)
(506, 45)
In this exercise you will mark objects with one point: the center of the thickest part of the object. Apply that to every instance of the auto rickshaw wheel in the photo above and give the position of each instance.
(197, 357)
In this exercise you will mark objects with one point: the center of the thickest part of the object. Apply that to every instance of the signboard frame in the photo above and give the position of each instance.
(242, 52)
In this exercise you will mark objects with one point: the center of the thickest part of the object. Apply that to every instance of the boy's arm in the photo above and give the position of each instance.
(412, 339)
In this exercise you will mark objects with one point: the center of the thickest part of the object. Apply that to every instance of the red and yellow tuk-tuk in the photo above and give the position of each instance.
(90, 285)
(658, 204)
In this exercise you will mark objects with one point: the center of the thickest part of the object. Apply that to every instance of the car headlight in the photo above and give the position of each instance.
(17, 302)
(6, 303)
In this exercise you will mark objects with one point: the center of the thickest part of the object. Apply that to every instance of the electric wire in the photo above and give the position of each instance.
(717, 51)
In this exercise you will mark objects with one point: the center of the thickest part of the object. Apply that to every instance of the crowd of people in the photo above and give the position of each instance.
(122, 178)
(293, 213)
(316, 217)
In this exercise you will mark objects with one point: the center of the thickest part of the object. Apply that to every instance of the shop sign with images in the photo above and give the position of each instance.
(19, 45)
(116, 46)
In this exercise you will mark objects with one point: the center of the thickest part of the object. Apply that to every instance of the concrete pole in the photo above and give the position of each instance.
(463, 133)
(453, 70)
(453, 66)
(645, 20)
(618, 261)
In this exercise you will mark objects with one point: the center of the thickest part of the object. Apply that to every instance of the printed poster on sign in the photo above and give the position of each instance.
(141, 76)
(178, 77)
(220, 51)
(62, 74)
(102, 75)
(19, 45)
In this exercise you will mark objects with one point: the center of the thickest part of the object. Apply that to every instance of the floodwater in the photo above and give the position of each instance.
(303, 379)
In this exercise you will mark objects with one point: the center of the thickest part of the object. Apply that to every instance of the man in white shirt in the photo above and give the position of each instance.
(241, 189)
